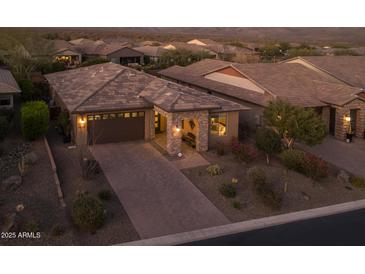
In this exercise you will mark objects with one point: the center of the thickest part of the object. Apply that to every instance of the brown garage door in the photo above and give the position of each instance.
(115, 127)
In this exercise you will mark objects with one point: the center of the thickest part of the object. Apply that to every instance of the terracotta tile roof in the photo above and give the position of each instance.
(58, 45)
(111, 86)
(350, 69)
(7, 82)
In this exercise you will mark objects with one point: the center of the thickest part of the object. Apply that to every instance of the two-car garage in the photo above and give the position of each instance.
(116, 127)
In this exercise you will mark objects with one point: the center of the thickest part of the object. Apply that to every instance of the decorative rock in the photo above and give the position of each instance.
(30, 158)
(343, 177)
(12, 182)
(305, 196)
(19, 208)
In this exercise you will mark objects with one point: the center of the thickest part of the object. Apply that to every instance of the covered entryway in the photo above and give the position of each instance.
(116, 127)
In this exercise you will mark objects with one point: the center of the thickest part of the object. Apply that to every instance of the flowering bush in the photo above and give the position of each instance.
(305, 163)
(315, 167)
(243, 152)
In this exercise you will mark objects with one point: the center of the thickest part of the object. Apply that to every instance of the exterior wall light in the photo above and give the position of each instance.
(348, 118)
(82, 122)
(177, 128)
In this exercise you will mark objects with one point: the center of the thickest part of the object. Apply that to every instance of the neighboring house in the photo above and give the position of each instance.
(83, 49)
(151, 54)
(8, 88)
(191, 47)
(333, 86)
(111, 103)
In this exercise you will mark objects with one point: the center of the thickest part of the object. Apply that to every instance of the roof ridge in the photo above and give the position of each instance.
(95, 92)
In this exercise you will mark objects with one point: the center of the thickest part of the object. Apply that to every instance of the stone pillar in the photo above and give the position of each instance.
(173, 136)
(326, 117)
(202, 132)
(360, 123)
(342, 126)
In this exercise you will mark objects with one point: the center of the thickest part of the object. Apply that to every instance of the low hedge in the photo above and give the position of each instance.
(305, 163)
(34, 119)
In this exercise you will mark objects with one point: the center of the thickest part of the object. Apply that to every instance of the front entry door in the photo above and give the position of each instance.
(157, 122)
(353, 117)
(332, 121)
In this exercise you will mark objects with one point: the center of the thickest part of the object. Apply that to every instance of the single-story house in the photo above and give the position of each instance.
(190, 47)
(151, 54)
(8, 88)
(112, 103)
(332, 85)
(82, 49)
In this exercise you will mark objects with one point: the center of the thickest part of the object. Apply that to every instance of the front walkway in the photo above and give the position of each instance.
(190, 157)
(157, 197)
(348, 156)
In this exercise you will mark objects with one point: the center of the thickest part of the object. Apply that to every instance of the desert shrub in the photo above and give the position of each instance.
(31, 226)
(268, 141)
(315, 167)
(256, 175)
(236, 204)
(293, 159)
(243, 152)
(305, 163)
(214, 170)
(227, 190)
(87, 213)
(267, 195)
(105, 194)
(34, 119)
(4, 127)
(358, 182)
(57, 230)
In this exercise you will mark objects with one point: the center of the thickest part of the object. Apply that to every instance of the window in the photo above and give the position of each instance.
(141, 114)
(120, 115)
(5, 102)
(90, 117)
(97, 117)
(112, 116)
(218, 124)
(134, 114)
(127, 115)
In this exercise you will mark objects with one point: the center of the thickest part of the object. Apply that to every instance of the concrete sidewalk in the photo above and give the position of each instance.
(157, 197)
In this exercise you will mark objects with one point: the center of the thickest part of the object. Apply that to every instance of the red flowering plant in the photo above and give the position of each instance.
(315, 167)
(243, 152)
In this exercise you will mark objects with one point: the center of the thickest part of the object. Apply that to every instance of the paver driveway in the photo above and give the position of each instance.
(157, 197)
(350, 157)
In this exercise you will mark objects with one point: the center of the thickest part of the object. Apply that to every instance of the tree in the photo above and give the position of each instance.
(34, 119)
(268, 141)
(294, 123)
(181, 57)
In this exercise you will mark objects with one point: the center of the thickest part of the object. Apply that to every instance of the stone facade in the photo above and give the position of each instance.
(343, 126)
(326, 117)
(173, 129)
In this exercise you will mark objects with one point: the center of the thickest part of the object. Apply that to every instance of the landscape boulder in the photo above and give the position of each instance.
(12, 182)
(30, 158)
(343, 177)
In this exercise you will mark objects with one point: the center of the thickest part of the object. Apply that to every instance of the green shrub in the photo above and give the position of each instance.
(4, 127)
(34, 119)
(31, 226)
(358, 182)
(28, 90)
(214, 170)
(268, 141)
(93, 61)
(236, 204)
(227, 190)
(105, 194)
(305, 163)
(293, 159)
(87, 213)
(256, 175)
